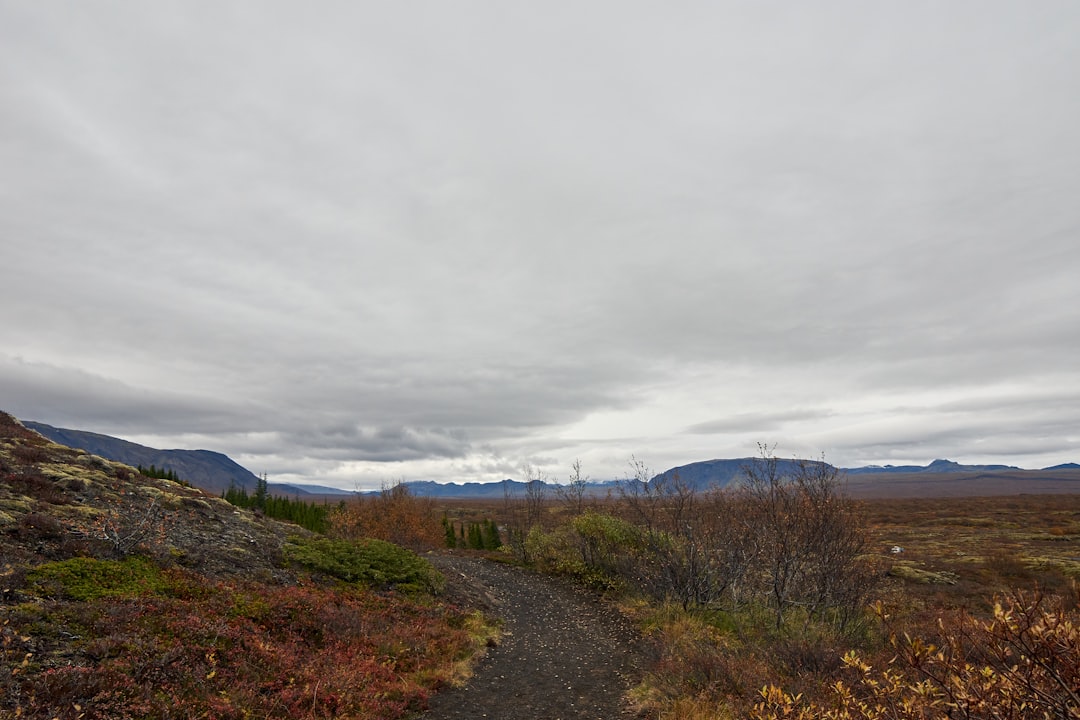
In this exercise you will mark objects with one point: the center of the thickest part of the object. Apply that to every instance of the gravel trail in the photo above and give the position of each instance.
(564, 655)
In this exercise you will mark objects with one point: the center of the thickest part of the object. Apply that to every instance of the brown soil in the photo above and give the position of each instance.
(564, 654)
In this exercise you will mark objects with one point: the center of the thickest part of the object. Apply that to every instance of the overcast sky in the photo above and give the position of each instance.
(355, 242)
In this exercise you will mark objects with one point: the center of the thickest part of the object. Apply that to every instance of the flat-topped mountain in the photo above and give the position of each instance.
(721, 473)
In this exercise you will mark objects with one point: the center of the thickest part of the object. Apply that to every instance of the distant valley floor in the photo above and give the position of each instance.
(963, 484)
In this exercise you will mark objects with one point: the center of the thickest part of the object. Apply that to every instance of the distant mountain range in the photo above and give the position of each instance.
(941, 478)
(214, 472)
(937, 466)
(497, 490)
(211, 471)
(871, 480)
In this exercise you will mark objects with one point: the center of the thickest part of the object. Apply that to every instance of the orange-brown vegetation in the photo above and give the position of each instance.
(1022, 662)
(225, 649)
(394, 515)
(130, 596)
(945, 599)
(976, 616)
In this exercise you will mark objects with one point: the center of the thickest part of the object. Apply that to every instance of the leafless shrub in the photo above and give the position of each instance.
(692, 548)
(810, 539)
(125, 534)
(37, 526)
(524, 511)
(784, 538)
(573, 493)
(535, 492)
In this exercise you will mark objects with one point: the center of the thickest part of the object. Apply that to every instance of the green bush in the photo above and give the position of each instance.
(554, 551)
(374, 563)
(82, 578)
(606, 541)
(560, 552)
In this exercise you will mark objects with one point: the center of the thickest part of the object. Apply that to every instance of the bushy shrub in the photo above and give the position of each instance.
(29, 452)
(32, 483)
(606, 542)
(395, 515)
(554, 551)
(370, 562)
(40, 526)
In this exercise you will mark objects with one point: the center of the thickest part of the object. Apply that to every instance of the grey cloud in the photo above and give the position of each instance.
(35, 390)
(757, 422)
(982, 429)
(447, 241)
(383, 444)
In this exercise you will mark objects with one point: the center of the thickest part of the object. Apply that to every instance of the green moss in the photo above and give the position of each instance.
(196, 503)
(367, 562)
(250, 605)
(167, 500)
(87, 579)
(20, 504)
(67, 473)
(85, 511)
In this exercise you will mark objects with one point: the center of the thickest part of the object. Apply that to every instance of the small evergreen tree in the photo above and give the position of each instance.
(307, 515)
(476, 536)
(448, 529)
(261, 492)
(492, 541)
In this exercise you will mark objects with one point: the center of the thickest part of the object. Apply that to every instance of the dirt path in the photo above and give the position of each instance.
(564, 655)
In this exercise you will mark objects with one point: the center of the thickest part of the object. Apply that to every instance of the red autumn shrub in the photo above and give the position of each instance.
(231, 650)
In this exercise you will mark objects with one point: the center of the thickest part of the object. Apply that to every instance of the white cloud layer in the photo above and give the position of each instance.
(354, 242)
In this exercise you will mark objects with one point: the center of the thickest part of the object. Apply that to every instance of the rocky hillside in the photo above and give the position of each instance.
(128, 596)
(212, 471)
(57, 502)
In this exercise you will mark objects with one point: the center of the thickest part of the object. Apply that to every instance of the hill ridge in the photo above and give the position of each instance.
(207, 469)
